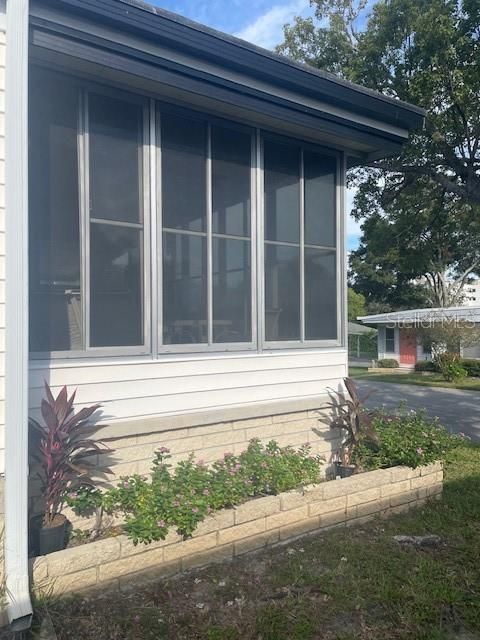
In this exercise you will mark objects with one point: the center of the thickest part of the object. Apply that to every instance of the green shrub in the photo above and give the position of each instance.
(387, 363)
(471, 366)
(450, 366)
(184, 496)
(425, 365)
(410, 439)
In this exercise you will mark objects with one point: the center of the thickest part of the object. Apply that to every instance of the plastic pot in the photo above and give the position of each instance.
(50, 539)
(344, 471)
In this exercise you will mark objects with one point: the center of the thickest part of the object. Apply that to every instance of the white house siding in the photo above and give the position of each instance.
(174, 386)
(134, 393)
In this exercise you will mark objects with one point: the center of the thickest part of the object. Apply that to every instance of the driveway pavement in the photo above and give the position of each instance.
(458, 411)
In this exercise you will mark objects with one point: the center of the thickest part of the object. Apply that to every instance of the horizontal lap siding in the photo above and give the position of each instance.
(153, 388)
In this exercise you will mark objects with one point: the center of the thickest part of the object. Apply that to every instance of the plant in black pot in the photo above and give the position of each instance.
(65, 457)
(356, 423)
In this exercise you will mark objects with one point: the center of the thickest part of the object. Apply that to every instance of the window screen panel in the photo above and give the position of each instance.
(282, 292)
(116, 286)
(231, 181)
(320, 199)
(320, 295)
(184, 178)
(116, 159)
(232, 295)
(282, 192)
(56, 297)
(184, 289)
(115, 190)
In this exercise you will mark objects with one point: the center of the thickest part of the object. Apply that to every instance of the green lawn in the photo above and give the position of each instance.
(430, 380)
(346, 584)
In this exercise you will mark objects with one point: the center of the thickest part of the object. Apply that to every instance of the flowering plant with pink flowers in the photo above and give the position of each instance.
(180, 498)
(409, 438)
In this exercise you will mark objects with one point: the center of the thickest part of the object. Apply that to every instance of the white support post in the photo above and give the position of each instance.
(16, 314)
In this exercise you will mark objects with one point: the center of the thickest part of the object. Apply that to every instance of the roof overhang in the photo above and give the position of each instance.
(424, 317)
(184, 61)
(356, 329)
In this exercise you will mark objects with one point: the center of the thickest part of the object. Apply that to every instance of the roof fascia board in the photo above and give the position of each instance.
(76, 43)
(161, 53)
(179, 34)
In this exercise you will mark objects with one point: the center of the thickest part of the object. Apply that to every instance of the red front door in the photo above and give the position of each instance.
(408, 346)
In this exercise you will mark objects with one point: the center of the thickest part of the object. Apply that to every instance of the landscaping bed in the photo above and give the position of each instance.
(192, 514)
(117, 561)
(347, 583)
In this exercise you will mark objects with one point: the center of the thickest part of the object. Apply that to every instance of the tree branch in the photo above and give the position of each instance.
(468, 191)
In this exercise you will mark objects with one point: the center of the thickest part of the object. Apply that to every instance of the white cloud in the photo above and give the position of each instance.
(267, 30)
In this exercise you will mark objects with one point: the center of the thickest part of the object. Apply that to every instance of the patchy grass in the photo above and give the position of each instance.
(428, 380)
(355, 583)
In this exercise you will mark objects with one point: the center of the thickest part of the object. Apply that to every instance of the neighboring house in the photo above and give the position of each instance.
(399, 336)
(174, 235)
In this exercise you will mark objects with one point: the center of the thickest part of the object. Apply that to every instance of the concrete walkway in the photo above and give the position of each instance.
(458, 411)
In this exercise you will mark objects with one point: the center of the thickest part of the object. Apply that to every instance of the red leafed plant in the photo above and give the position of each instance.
(62, 449)
(353, 418)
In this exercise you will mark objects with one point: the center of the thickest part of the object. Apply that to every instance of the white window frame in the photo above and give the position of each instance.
(395, 339)
(274, 345)
(153, 347)
(209, 346)
(84, 90)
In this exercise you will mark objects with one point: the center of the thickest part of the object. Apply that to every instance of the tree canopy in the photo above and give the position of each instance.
(356, 305)
(421, 209)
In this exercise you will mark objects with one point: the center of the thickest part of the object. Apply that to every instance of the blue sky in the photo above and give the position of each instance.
(260, 22)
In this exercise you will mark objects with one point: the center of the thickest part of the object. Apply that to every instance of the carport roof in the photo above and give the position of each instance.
(356, 329)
